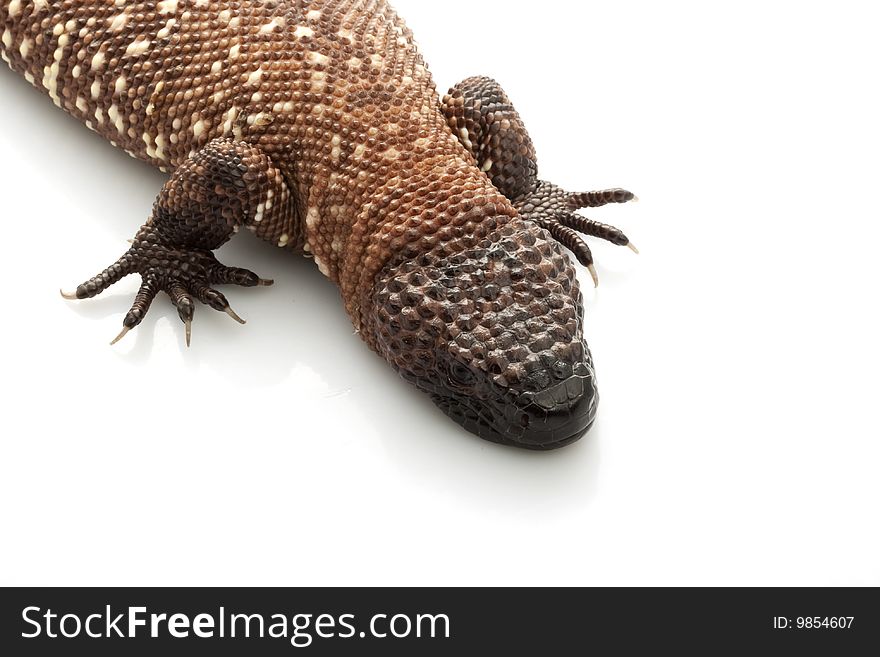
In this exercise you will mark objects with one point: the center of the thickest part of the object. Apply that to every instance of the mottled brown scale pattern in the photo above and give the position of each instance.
(316, 125)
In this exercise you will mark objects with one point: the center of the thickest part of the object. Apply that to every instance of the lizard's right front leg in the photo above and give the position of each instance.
(486, 123)
(224, 186)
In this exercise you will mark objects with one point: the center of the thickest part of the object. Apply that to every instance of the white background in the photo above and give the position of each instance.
(738, 438)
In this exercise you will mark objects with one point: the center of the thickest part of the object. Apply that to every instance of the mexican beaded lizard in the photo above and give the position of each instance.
(316, 126)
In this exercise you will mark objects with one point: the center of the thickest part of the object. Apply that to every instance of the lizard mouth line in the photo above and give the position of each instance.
(535, 441)
(535, 427)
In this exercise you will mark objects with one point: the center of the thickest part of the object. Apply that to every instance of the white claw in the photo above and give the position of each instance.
(635, 199)
(189, 326)
(234, 315)
(125, 331)
(632, 247)
(594, 274)
(70, 296)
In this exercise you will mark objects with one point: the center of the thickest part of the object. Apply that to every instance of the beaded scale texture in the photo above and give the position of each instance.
(317, 126)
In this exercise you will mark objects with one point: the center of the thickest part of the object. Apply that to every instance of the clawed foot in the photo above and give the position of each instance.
(184, 275)
(555, 210)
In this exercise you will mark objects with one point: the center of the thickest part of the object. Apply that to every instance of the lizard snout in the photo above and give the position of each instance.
(558, 415)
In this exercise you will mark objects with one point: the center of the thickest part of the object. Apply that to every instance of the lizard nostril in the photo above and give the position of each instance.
(561, 371)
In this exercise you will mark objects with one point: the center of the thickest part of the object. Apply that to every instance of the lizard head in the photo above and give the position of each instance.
(493, 332)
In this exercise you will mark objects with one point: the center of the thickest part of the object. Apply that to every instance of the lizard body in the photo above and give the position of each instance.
(317, 126)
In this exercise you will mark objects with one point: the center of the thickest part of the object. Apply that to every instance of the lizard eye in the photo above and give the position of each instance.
(461, 374)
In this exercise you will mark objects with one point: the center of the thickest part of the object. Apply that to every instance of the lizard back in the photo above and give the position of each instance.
(335, 92)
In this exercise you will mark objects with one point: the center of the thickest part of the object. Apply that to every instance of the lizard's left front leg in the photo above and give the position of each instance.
(486, 123)
(224, 186)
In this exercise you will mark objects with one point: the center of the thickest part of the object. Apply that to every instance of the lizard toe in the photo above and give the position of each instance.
(554, 210)
(185, 275)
